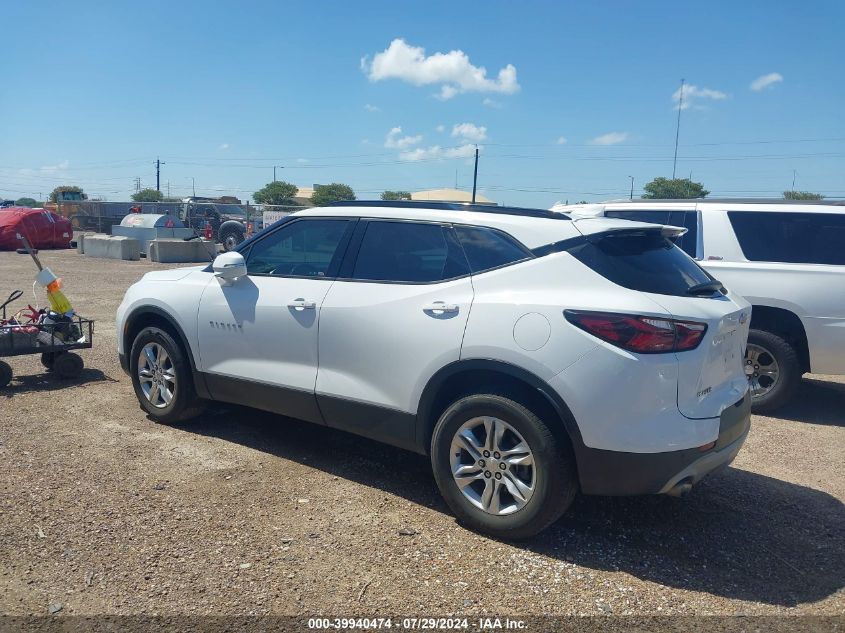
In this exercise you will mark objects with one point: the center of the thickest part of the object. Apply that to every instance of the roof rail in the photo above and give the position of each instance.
(452, 206)
(823, 201)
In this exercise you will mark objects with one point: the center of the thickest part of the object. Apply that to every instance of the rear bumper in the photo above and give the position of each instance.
(616, 473)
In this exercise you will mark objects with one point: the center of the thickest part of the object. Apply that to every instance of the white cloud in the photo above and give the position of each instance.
(693, 94)
(453, 70)
(435, 151)
(492, 103)
(223, 146)
(561, 140)
(365, 141)
(302, 160)
(440, 128)
(611, 138)
(45, 169)
(469, 132)
(394, 141)
(764, 81)
(371, 108)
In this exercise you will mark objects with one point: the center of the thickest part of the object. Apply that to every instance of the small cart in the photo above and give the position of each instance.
(54, 340)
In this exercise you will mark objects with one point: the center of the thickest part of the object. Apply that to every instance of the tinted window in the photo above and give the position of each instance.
(486, 248)
(409, 252)
(646, 262)
(795, 238)
(688, 219)
(304, 248)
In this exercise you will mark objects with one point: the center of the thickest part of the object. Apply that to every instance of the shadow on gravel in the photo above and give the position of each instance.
(816, 402)
(33, 383)
(738, 535)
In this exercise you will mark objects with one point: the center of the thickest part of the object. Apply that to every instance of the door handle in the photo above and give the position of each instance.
(302, 304)
(440, 307)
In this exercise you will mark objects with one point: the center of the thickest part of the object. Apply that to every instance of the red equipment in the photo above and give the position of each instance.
(207, 234)
(43, 228)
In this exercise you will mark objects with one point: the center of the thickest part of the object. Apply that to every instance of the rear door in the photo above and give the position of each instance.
(394, 317)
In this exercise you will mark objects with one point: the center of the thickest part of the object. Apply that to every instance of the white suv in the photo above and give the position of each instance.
(528, 354)
(787, 258)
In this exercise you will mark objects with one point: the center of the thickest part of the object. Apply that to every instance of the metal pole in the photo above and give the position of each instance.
(475, 175)
(158, 174)
(793, 180)
(678, 128)
(274, 171)
(632, 187)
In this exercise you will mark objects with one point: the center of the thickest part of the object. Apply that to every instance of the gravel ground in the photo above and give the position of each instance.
(242, 512)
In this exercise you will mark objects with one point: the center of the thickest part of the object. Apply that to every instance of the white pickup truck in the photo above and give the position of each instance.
(787, 258)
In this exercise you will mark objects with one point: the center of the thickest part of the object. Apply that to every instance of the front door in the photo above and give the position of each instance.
(258, 335)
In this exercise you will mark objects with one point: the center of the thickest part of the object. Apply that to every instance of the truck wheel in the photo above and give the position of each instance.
(5, 374)
(230, 237)
(48, 360)
(773, 370)
(68, 365)
(161, 376)
(500, 468)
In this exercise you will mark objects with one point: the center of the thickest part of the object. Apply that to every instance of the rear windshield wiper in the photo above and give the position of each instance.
(706, 288)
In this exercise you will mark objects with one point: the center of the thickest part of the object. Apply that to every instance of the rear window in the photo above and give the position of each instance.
(644, 261)
(794, 238)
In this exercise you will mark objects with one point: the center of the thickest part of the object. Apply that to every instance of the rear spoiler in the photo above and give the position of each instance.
(669, 232)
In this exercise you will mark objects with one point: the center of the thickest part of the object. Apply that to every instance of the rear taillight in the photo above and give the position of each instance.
(637, 333)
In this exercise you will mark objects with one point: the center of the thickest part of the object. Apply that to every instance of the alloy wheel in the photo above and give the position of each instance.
(156, 375)
(762, 370)
(493, 466)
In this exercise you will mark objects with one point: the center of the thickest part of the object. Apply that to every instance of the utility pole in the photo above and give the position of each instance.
(193, 186)
(793, 180)
(158, 164)
(678, 128)
(137, 184)
(475, 175)
(168, 188)
(632, 187)
(274, 171)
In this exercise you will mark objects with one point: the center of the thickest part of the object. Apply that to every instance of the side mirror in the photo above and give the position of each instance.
(229, 266)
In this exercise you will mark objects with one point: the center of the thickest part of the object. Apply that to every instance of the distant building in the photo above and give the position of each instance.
(449, 195)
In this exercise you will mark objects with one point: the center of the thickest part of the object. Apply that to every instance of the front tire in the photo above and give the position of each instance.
(773, 370)
(230, 237)
(500, 468)
(161, 377)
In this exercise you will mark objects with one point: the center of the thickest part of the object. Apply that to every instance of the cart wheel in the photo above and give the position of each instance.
(68, 365)
(48, 360)
(5, 374)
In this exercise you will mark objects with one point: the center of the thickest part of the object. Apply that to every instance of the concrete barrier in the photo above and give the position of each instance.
(180, 252)
(80, 244)
(111, 247)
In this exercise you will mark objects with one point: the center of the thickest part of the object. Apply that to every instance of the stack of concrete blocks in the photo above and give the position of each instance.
(109, 246)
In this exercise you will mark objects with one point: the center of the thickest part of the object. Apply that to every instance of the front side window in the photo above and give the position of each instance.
(304, 248)
(408, 252)
(486, 248)
(793, 238)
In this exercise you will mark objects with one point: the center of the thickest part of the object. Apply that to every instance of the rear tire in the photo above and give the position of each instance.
(766, 349)
(68, 365)
(553, 482)
(230, 237)
(5, 374)
(167, 393)
(48, 360)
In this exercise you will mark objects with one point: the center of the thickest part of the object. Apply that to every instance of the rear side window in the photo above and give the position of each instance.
(408, 252)
(487, 248)
(794, 238)
(645, 261)
(688, 242)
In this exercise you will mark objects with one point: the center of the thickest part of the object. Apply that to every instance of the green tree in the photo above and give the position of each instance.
(278, 192)
(396, 195)
(148, 195)
(802, 195)
(674, 188)
(68, 189)
(26, 202)
(335, 192)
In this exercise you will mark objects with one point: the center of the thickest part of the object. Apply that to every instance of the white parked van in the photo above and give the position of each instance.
(787, 258)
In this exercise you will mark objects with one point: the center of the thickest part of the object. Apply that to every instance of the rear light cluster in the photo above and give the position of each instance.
(637, 333)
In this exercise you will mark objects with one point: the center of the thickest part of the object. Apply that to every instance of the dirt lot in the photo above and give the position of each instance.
(241, 512)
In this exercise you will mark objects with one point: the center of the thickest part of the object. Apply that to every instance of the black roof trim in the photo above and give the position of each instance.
(823, 201)
(453, 206)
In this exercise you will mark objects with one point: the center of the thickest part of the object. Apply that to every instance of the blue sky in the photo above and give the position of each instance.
(566, 100)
